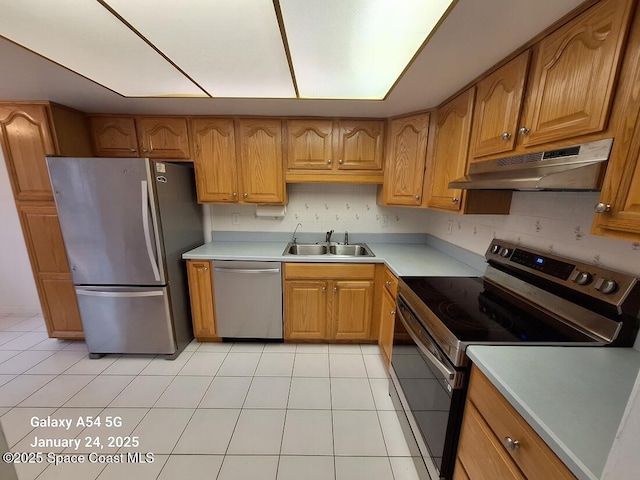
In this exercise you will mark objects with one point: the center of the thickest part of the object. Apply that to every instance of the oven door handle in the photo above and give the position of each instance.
(446, 371)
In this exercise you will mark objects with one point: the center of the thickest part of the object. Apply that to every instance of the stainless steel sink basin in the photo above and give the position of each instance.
(306, 249)
(356, 250)
(331, 249)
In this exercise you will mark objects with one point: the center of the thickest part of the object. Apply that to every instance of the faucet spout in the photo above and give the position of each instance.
(346, 238)
(293, 237)
(328, 237)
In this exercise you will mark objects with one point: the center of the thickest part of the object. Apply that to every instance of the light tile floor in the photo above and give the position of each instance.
(219, 411)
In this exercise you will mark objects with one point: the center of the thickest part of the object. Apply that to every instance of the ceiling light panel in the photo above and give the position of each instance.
(230, 48)
(355, 48)
(86, 38)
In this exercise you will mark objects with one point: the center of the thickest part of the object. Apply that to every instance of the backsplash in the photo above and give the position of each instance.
(550, 221)
(555, 222)
(324, 207)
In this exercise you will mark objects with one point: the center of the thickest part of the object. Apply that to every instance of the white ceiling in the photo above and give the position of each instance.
(475, 35)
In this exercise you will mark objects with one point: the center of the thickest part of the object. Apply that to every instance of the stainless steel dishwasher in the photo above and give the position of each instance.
(248, 299)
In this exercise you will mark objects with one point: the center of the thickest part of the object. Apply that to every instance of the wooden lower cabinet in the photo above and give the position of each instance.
(61, 313)
(305, 305)
(387, 325)
(328, 301)
(202, 300)
(489, 420)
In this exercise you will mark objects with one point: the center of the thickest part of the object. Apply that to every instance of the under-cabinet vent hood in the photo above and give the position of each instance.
(580, 167)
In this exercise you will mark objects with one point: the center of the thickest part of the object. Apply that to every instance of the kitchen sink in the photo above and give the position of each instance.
(328, 249)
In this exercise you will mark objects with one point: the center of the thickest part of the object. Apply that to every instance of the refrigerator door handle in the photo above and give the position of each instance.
(97, 293)
(147, 230)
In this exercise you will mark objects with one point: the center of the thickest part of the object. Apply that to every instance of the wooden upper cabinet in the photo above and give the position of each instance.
(448, 152)
(215, 164)
(153, 137)
(405, 160)
(114, 137)
(328, 150)
(261, 163)
(163, 137)
(26, 138)
(309, 144)
(497, 108)
(574, 74)
(360, 145)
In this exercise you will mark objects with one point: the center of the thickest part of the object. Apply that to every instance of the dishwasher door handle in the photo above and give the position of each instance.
(247, 270)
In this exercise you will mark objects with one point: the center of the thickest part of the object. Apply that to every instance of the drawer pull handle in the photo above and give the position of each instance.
(511, 444)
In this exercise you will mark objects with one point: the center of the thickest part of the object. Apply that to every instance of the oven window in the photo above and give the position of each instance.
(425, 390)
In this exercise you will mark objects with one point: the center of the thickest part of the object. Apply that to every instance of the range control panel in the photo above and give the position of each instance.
(593, 280)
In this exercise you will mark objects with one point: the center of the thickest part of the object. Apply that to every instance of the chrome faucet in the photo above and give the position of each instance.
(346, 237)
(328, 237)
(293, 238)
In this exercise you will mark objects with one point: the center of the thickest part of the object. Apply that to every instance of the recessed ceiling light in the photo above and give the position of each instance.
(356, 48)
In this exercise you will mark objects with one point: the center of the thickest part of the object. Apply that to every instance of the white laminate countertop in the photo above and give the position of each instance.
(403, 259)
(573, 397)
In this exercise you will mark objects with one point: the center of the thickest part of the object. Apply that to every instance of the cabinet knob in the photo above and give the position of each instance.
(506, 135)
(206, 269)
(235, 194)
(511, 444)
(455, 199)
(392, 312)
(133, 150)
(329, 162)
(245, 195)
(335, 289)
(341, 161)
(417, 197)
(145, 150)
(602, 208)
(324, 289)
(523, 131)
(387, 283)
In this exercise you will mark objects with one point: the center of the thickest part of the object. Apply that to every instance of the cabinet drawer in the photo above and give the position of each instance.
(328, 271)
(534, 457)
(391, 283)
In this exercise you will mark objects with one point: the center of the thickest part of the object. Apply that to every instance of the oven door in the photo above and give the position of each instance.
(431, 392)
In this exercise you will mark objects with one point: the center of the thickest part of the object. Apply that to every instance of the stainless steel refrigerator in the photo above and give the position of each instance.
(126, 223)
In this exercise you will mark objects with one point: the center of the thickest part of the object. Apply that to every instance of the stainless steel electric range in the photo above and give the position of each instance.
(526, 297)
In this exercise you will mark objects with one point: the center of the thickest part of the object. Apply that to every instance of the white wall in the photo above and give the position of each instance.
(324, 207)
(17, 287)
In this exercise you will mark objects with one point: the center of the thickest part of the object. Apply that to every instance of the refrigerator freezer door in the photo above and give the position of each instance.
(108, 216)
(134, 320)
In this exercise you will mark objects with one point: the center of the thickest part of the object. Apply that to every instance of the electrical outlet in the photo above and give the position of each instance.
(235, 218)
(449, 227)
(385, 221)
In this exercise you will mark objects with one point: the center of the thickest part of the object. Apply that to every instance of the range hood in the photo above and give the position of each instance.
(580, 167)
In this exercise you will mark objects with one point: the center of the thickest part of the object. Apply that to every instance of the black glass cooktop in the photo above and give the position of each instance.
(475, 311)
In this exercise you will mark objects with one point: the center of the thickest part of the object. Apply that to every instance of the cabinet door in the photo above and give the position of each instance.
(449, 153)
(60, 306)
(574, 74)
(43, 236)
(405, 162)
(26, 139)
(163, 137)
(260, 150)
(215, 160)
(360, 145)
(305, 310)
(114, 137)
(351, 312)
(497, 109)
(387, 324)
(309, 144)
(202, 303)
(480, 452)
